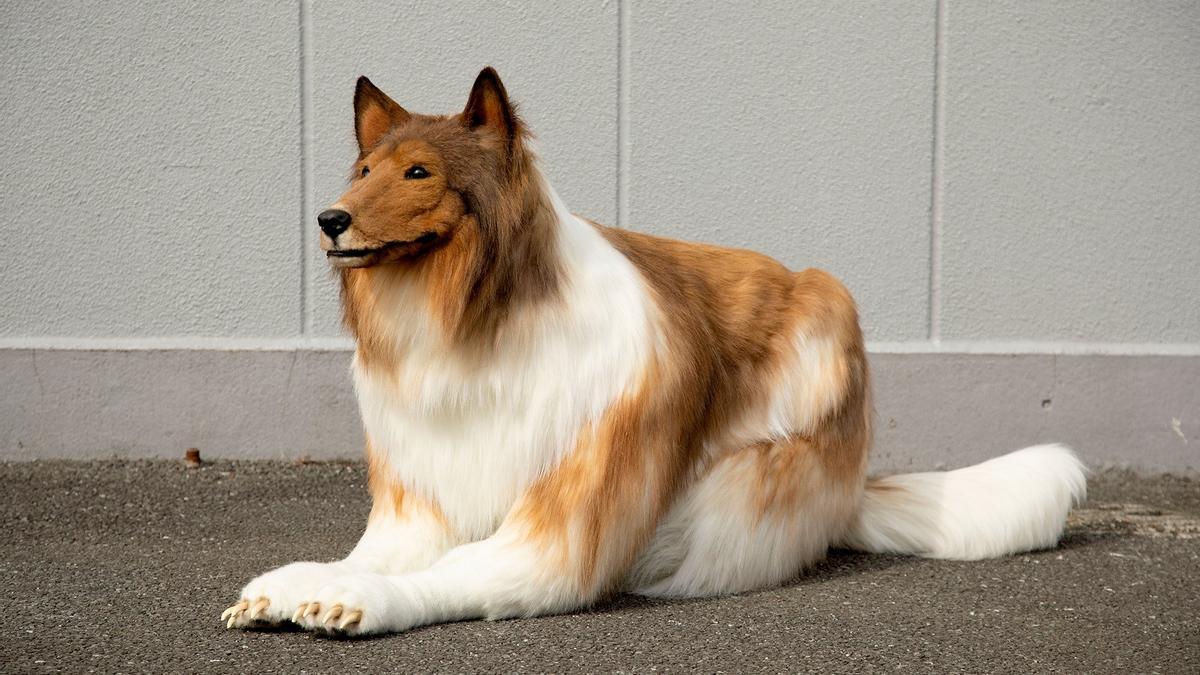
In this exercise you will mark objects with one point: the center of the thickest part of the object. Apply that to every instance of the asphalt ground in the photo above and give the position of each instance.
(126, 566)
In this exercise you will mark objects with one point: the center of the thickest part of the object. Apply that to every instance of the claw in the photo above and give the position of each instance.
(231, 615)
(299, 614)
(333, 613)
(312, 609)
(350, 619)
(241, 605)
(259, 608)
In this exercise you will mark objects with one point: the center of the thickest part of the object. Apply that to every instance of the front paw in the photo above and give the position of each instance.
(357, 604)
(272, 598)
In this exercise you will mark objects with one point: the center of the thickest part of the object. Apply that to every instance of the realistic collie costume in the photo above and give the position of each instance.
(556, 410)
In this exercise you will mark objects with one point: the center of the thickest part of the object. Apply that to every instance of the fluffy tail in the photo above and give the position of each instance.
(1014, 503)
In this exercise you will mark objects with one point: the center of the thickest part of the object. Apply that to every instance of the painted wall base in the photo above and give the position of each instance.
(933, 410)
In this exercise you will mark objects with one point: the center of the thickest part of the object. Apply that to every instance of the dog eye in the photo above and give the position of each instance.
(416, 171)
(366, 170)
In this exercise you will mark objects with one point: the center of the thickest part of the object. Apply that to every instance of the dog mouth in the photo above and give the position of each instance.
(355, 252)
(353, 257)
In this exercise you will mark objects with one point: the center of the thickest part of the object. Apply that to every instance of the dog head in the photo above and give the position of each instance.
(420, 179)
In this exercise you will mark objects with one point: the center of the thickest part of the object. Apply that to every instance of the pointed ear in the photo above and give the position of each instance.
(374, 114)
(488, 105)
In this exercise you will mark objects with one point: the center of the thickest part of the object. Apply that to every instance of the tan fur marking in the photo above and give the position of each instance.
(730, 321)
(738, 312)
(780, 484)
(600, 505)
(389, 497)
(845, 436)
(730, 318)
(478, 233)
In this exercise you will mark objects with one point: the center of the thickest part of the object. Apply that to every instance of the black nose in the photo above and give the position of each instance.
(333, 222)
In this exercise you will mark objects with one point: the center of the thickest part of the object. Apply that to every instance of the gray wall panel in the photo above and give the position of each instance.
(1072, 194)
(950, 410)
(1030, 172)
(152, 403)
(932, 410)
(150, 169)
(803, 130)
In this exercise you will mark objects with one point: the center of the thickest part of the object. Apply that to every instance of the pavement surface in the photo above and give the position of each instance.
(125, 567)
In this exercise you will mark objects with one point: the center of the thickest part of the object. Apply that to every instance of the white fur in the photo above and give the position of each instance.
(1014, 503)
(809, 383)
(393, 545)
(498, 577)
(470, 436)
(717, 540)
(388, 546)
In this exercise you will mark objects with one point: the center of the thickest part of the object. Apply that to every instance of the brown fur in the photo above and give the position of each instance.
(729, 317)
(781, 470)
(738, 310)
(490, 235)
(389, 495)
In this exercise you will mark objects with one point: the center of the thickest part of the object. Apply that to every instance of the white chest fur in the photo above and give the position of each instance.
(470, 436)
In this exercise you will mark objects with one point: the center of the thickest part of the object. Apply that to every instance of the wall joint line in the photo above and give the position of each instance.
(623, 121)
(937, 174)
(305, 59)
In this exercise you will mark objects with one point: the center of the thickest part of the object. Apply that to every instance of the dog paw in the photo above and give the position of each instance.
(355, 604)
(272, 598)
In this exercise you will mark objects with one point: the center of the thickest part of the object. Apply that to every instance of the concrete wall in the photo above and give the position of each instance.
(1007, 187)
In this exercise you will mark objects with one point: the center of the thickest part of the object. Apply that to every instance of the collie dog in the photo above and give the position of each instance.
(556, 410)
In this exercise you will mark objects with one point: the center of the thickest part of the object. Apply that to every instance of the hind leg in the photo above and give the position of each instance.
(754, 519)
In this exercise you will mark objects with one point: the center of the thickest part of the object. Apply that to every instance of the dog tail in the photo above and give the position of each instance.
(1014, 503)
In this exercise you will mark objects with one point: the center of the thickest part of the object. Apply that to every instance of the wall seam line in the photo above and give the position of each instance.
(305, 166)
(622, 215)
(937, 174)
